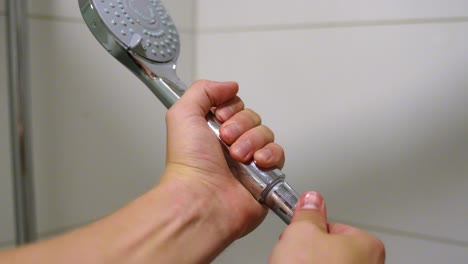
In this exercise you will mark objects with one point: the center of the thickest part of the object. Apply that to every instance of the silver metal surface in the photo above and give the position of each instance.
(282, 199)
(19, 95)
(267, 186)
(149, 47)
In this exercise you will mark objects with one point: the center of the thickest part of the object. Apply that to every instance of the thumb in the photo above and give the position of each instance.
(311, 209)
(203, 95)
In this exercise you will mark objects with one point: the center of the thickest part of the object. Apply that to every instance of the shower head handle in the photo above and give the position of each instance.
(141, 35)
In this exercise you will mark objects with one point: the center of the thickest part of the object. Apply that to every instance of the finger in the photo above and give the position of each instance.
(246, 145)
(367, 242)
(343, 229)
(203, 95)
(311, 209)
(239, 124)
(271, 155)
(227, 110)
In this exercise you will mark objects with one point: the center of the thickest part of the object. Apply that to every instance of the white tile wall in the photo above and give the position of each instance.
(88, 156)
(183, 13)
(228, 14)
(99, 132)
(80, 118)
(6, 185)
(373, 117)
(55, 8)
(369, 101)
(409, 250)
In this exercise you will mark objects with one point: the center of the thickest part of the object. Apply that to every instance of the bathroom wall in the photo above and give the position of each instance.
(6, 190)
(99, 134)
(369, 100)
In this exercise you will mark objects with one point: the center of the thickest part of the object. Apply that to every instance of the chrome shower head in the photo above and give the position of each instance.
(142, 36)
(142, 26)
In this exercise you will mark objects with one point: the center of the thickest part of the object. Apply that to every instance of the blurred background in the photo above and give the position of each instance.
(368, 98)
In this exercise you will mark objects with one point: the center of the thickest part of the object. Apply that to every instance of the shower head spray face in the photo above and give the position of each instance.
(142, 26)
(142, 36)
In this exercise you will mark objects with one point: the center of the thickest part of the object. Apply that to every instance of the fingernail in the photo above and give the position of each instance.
(310, 200)
(243, 148)
(224, 113)
(232, 131)
(264, 155)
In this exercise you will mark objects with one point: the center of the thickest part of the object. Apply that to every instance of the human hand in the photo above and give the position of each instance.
(195, 158)
(309, 239)
(197, 210)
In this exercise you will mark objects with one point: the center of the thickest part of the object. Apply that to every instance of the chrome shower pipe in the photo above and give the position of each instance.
(20, 121)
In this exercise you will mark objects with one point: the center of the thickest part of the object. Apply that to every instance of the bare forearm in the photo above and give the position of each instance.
(165, 225)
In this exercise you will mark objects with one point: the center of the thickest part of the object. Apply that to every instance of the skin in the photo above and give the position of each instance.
(311, 239)
(198, 208)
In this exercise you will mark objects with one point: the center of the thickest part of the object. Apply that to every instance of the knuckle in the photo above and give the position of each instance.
(376, 243)
(280, 149)
(277, 149)
(376, 247)
(253, 115)
(238, 103)
(268, 133)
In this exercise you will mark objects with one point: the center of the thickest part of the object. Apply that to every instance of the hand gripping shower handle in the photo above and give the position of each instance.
(267, 186)
(142, 36)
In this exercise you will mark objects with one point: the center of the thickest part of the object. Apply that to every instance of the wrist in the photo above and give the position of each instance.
(172, 223)
(221, 197)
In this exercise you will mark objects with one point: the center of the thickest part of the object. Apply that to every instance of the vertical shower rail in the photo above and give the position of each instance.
(20, 121)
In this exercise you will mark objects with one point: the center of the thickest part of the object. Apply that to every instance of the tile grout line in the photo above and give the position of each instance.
(407, 234)
(67, 19)
(334, 24)
(265, 28)
(79, 20)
